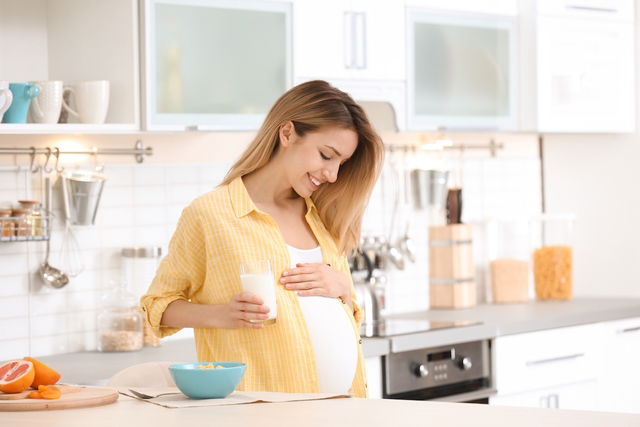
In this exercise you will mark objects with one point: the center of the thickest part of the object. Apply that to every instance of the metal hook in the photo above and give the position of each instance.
(46, 162)
(57, 156)
(95, 160)
(33, 159)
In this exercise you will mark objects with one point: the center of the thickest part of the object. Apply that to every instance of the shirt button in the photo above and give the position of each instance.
(360, 341)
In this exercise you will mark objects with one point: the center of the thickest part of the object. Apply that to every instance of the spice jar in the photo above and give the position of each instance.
(34, 217)
(119, 324)
(6, 224)
(21, 222)
(508, 252)
(553, 256)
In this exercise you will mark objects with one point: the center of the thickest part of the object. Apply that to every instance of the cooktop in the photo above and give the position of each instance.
(394, 327)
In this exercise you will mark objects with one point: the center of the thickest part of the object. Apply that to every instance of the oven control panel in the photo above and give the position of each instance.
(432, 367)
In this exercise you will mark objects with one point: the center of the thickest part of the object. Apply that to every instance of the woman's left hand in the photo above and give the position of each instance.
(317, 280)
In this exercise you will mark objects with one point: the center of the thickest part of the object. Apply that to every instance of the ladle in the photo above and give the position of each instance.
(51, 276)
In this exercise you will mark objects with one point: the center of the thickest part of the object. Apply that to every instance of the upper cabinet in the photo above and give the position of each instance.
(585, 66)
(214, 64)
(462, 70)
(355, 39)
(74, 41)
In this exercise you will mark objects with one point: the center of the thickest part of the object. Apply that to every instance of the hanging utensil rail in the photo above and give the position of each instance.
(139, 151)
(492, 146)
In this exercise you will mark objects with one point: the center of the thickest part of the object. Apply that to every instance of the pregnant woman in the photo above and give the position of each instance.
(295, 197)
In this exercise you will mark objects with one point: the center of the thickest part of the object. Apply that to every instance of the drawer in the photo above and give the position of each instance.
(546, 358)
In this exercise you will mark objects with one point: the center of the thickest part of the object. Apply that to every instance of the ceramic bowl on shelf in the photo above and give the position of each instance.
(207, 380)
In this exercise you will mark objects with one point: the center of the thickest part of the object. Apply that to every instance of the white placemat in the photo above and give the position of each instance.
(179, 400)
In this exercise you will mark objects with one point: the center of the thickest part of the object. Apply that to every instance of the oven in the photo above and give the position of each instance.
(453, 373)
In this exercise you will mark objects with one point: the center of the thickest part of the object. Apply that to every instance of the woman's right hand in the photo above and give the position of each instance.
(241, 310)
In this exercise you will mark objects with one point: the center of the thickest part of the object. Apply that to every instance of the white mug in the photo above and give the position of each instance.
(6, 97)
(91, 100)
(46, 107)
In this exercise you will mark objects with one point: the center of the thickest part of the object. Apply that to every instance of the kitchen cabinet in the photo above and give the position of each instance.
(373, 368)
(74, 40)
(462, 70)
(619, 374)
(552, 368)
(578, 396)
(585, 66)
(214, 64)
(355, 39)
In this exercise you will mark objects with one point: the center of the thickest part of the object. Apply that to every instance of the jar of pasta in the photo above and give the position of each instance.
(553, 256)
(508, 251)
(6, 224)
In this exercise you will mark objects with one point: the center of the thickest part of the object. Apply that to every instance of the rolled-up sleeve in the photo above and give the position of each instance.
(180, 274)
(358, 315)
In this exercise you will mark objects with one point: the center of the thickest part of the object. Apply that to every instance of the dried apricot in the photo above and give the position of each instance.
(46, 392)
(45, 375)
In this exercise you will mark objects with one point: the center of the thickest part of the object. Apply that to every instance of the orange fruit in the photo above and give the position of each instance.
(16, 376)
(45, 375)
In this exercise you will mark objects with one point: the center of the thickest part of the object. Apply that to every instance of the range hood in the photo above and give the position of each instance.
(381, 114)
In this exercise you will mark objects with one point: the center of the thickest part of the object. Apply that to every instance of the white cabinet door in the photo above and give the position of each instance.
(586, 74)
(577, 396)
(373, 368)
(462, 71)
(620, 376)
(502, 7)
(354, 39)
(215, 64)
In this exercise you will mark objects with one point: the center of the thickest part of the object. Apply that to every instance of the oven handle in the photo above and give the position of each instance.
(484, 393)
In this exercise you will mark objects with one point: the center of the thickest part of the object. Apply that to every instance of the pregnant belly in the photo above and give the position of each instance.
(334, 342)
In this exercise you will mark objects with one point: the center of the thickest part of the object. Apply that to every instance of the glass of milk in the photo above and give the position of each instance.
(257, 278)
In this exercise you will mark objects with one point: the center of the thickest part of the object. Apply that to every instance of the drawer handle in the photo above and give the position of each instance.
(591, 8)
(628, 330)
(554, 359)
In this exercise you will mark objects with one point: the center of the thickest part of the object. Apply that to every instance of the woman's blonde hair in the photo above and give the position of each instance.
(312, 106)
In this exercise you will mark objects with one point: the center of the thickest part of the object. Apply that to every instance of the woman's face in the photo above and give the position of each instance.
(314, 159)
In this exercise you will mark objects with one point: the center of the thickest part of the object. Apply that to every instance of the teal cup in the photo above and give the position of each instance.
(23, 93)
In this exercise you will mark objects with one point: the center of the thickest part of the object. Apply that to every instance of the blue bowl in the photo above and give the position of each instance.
(198, 383)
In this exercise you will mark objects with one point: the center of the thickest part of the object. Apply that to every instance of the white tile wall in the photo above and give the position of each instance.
(141, 205)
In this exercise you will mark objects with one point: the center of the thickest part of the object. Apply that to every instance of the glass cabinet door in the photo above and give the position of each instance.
(215, 64)
(461, 72)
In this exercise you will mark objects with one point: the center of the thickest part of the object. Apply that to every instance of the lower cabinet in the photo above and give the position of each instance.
(578, 396)
(555, 368)
(373, 368)
(619, 373)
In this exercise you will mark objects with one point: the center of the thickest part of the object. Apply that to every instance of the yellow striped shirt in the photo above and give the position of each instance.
(216, 232)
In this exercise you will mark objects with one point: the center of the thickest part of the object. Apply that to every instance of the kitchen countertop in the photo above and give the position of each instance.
(334, 412)
(509, 319)
(95, 368)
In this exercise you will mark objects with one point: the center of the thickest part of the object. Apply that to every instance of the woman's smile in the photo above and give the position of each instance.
(315, 183)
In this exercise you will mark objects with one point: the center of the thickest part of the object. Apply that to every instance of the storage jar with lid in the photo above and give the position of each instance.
(34, 217)
(508, 255)
(552, 256)
(6, 224)
(119, 323)
(21, 222)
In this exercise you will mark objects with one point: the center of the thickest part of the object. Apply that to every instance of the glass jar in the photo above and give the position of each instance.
(6, 224)
(21, 223)
(552, 237)
(508, 252)
(119, 324)
(34, 218)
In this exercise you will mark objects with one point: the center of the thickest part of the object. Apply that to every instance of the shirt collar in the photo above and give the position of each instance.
(240, 200)
(242, 203)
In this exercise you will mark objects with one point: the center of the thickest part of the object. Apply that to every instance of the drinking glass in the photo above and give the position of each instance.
(257, 278)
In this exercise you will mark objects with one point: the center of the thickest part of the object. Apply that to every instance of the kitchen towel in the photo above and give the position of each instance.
(179, 400)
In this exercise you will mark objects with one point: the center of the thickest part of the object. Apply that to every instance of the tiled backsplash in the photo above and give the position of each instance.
(140, 207)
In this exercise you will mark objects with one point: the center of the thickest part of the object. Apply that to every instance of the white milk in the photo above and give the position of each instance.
(261, 285)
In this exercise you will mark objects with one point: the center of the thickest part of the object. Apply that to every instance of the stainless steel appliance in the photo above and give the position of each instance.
(456, 373)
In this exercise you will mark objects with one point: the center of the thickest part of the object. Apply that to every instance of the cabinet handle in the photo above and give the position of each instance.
(360, 24)
(554, 359)
(544, 401)
(591, 8)
(628, 330)
(349, 40)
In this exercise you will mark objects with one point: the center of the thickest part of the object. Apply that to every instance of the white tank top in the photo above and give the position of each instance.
(334, 342)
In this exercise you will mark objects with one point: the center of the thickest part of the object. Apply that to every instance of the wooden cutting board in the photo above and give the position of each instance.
(72, 397)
